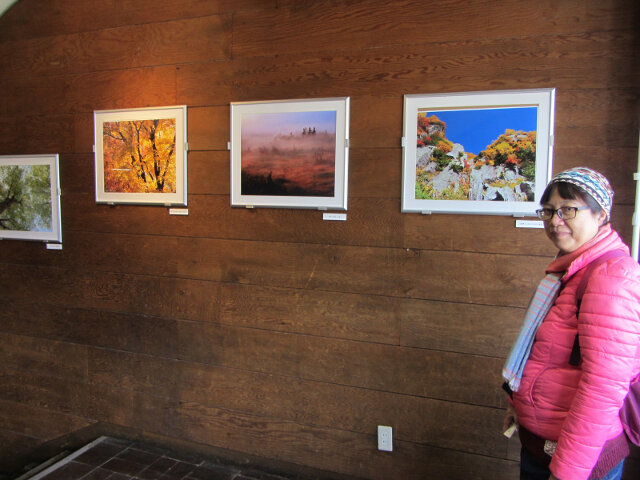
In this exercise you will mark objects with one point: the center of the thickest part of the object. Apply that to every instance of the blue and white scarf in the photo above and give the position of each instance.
(539, 306)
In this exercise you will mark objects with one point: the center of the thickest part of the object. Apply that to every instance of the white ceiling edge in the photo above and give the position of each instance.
(5, 4)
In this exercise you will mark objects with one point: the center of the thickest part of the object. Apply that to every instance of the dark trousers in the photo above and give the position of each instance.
(530, 469)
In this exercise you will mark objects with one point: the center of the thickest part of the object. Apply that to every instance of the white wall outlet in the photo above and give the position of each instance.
(385, 438)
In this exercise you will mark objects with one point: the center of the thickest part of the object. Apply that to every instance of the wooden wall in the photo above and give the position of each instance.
(271, 332)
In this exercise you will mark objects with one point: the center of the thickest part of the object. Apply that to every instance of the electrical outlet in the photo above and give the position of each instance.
(385, 438)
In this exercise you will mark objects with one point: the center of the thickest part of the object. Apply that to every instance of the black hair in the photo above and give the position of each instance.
(569, 191)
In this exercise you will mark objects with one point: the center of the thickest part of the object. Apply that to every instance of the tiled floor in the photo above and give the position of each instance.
(110, 458)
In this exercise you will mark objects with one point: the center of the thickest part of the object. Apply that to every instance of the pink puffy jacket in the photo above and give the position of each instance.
(579, 406)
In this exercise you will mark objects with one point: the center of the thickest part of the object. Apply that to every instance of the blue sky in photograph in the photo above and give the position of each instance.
(288, 122)
(475, 129)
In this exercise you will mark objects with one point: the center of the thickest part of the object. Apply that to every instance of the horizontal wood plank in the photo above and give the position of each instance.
(55, 394)
(149, 326)
(43, 356)
(432, 374)
(56, 138)
(399, 272)
(123, 322)
(209, 128)
(209, 173)
(494, 234)
(37, 423)
(376, 125)
(341, 451)
(480, 65)
(457, 426)
(370, 222)
(371, 365)
(140, 333)
(456, 327)
(309, 312)
(131, 46)
(75, 16)
(349, 25)
(85, 93)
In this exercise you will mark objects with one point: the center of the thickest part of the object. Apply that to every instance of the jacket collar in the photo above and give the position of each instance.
(567, 265)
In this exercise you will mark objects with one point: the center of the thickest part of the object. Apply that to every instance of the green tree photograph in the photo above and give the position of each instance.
(25, 198)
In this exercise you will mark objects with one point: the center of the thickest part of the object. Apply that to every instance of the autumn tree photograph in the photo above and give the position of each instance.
(140, 156)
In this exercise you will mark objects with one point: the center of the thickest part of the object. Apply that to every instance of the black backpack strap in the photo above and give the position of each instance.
(576, 357)
(507, 388)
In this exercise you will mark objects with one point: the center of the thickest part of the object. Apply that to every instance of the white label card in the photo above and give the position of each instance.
(334, 216)
(529, 224)
(178, 211)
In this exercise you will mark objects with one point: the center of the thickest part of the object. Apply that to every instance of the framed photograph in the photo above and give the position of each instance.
(141, 156)
(290, 153)
(30, 198)
(478, 153)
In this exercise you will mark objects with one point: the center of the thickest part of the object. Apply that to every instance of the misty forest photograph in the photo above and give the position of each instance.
(289, 154)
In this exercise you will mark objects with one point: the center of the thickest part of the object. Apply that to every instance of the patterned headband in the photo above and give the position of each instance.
(592, 182)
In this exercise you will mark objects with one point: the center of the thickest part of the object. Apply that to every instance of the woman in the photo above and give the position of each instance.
(568, 415)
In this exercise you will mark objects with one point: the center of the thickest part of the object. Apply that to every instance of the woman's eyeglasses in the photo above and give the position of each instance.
(564, 213)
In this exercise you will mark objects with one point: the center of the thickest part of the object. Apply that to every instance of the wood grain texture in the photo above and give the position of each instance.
(132, 46)
(44, 356)
(284, 440)
(349, 25)
(37, 423)
(55, 139)
(112, 89)
(302, 401)
(390, 72)
(210, 216)
(150, 327)
(399, 272)
(64, 17)
(433, 374)
(44, 391)
(271, 332)
(209, 128)
(443, 67)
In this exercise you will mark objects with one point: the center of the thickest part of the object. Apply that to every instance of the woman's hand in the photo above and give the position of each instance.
(510, 418)
(553, 477)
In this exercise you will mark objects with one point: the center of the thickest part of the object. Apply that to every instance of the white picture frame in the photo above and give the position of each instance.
(508, 173)
(30, 198)
(290, 153)
(141, 156)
